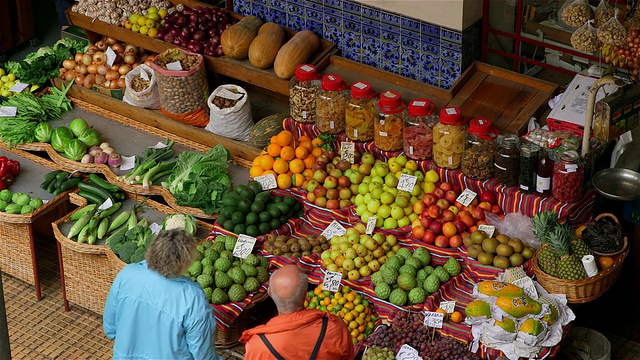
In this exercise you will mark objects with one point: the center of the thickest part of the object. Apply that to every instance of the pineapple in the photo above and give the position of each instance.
(543, 223)
(569, 266)
(579, 248)
(547, 259)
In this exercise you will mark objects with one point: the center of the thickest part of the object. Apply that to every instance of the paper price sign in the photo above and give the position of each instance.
(111, 56)
(159, 146)
(19, 87)
(406, 352)
(331, 281)
(348, 151)
(406, 182)
(487, 229)
(144, 75)
(433, 319)
(528, 286)
(8, 111)
(174, 66)
(106, 205)
(155, 228)
(267, 182)
(466, 197)
(244, 246)
(334, 229)
(448, 306)
(128, 162)
(371, 224)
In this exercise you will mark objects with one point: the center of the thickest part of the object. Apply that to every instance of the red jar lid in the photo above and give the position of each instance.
(421, 107)
(333, 82)
(306, 72)
(362, 90)
(451, 116)
(482, 128)
(390, 99)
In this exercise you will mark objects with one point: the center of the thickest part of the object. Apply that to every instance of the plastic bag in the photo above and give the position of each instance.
(147, 98)
(514, 225)
(603, 12)
(612, 32)
(586, 38)
(234, 122)
(585, 343)
(576, 12)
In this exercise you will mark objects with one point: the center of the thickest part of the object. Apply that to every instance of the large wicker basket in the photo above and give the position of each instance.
(229, 338)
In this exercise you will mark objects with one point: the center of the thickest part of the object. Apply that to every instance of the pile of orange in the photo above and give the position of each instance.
(289, 160)
(455, 316)
(347, 304)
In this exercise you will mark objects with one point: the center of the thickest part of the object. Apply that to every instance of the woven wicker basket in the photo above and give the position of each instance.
(229, 338)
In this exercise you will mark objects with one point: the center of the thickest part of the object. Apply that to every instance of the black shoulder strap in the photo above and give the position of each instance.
(270, 347)
(314, 354)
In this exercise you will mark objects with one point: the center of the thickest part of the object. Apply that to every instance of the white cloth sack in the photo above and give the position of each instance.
(234, 122)
(148, 98)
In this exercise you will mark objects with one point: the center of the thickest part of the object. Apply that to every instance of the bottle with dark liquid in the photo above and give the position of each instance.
(544, 172)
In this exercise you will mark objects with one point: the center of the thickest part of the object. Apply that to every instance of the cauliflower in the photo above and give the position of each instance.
(180, 221)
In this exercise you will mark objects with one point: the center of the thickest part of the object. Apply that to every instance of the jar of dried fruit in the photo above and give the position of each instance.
(507, 161)
(449, 138)
(331, 104)
(479, 149)
(303, 90)
(362, 112)
(568, 172)
(418, 136)
(387, 131)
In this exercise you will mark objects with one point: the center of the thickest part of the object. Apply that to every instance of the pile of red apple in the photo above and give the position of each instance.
(443, 221)
(334, 183)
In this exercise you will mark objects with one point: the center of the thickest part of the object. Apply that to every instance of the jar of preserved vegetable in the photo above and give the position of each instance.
(479, 149)
(448, 138)
(303, 90)
(507, 161)
(568, 172)
(362, 112)
(528, 166)
(331, 104)
(418, 136)
(387, 131)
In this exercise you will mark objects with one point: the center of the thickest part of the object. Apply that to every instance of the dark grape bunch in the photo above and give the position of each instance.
(407, 328)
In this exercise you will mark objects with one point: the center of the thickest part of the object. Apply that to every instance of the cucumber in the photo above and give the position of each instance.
(96, 190)
(70, 183)
(45, 184)
(52, 175)
(52, 186)
(98, 181)
(91, 197)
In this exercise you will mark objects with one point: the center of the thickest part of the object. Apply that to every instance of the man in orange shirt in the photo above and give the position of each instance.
(297, 333)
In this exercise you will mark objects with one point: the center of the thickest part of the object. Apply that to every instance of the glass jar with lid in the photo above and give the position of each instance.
(568, 173)
(387, 131)
(362, 112)
(418, 136)
(479, 149)
(528, 165)
(303, 89)
(331, 104)
(507, 161)
(449, 138)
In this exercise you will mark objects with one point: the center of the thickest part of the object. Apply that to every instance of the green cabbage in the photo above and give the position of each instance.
(77, 126)
(90, 137)
(75, 149)
(60, 137)
(43, 132)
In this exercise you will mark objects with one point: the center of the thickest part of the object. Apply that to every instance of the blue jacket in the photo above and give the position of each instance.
(155, 318)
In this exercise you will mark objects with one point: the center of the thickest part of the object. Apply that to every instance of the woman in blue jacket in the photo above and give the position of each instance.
(154, 312)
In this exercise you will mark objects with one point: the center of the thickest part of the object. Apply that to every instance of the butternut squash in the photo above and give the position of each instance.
(236, 39)
(265, 46)
(295, 52)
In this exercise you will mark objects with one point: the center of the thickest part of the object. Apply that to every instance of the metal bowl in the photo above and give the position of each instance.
(617, 184)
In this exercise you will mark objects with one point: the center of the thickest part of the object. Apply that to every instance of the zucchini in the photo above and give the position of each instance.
(96, 190)
(70, 183)
(52, 175)
(98, 181)
(91, 197)
(45, 183)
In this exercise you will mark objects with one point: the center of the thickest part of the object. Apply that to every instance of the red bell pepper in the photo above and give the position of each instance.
(13, 167)
(6, 180)
(3, 165)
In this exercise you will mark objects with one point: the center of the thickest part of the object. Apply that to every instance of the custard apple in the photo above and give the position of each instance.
(218, 246)
(423, 255)
(417, 295)
(222, 264)
(262, 274)
(383, 291)
(251, 284)
(252, 260)
(429, 270)
(398, 297)
(452, 266)
(376, 278)
(432, 284)
(237, 293)
(237, 275)
(404, 253)
(249, 270)
(389, 275)
(222, 280)
(407, 269)
(421, 274)
(230, 243)
(442, 274)
(195, 268)
(406, 282)
(414, 261)
(207, 293)
(219, 296)
(206, 262)
(209, 270)
(204, 280)
(395, 262)
(212, 254)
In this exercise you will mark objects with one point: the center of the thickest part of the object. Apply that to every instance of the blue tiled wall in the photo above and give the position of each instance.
(416, 49)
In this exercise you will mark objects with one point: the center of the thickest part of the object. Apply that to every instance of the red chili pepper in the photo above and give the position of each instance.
(6, 180)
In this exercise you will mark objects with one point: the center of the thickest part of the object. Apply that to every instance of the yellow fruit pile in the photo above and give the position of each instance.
(347, 304)
(6, 82)
(146, 24)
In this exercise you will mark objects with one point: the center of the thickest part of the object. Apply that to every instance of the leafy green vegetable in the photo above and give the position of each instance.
(60, 137)
(185, 222)
(43, 132)
(75, 149)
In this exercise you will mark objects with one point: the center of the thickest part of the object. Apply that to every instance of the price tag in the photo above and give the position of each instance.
(570, 167)
(407, 182)
(331, 281)
(433, 319)
(334, 229)
(348, 151)
(466, 197)
(360, 85)
(528, 286)
(158, 146)
(451, 111)
(448, 306)
(19, 87)
(128, 162)
(175, 66)
(155, 228)
(487, 229)
(244, 246)
(111, 56)
(8, 111)
(306, 68)
(419, 103)
(105, 205)
(371, 224)
(44, 201)
(406, 352)
(143, 74)
(267, 181)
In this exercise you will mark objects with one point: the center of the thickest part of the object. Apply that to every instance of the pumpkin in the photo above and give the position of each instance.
(295, 52)
(264, 129)
(237, 38)
(265, 46)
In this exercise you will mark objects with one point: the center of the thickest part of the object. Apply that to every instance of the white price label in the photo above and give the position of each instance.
(572, 168)
(407, 182)
(487, 229)
(371, 224)
(44, 201)
(406, 352)
(8, 111)
(306, 68)
(143, 74)
(268, 181)
(175, 66)
(111, 56)
(105, 205)
(360, 85)
(128, 162)
(448, 306)
(155, 228)
(334, 229)
(19, 87)
(528, 286)
(419, 103)
(348, 151)
(331, 281)
(451, 111)
(158, 146)
(244, 246)
(433, 319)
(466, 197)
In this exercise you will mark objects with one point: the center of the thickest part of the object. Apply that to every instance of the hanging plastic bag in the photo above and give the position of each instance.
(230, 113)
(612, 32)
(603, 13)
(576, 12)
(141, 88)
(586, 38)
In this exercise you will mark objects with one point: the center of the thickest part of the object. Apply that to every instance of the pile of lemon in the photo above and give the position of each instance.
(6, 82)
(146, 24)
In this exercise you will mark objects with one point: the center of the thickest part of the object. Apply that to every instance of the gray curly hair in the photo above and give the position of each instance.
(171, 252)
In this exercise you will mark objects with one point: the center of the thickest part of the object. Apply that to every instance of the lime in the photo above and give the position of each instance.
(252, 218)
(252, 230)
(264, 217)
(239, 229)
(237, 217)
(257, 207)
(263, 227)
(274, 223)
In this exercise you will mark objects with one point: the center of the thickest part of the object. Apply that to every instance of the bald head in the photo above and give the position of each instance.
(288, 288)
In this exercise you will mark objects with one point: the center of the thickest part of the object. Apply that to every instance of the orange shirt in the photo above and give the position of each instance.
(293, 336)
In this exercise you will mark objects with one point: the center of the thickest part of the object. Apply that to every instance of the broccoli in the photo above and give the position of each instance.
(140, 235)
(115, 241)
(127, 250)
(138, 255)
